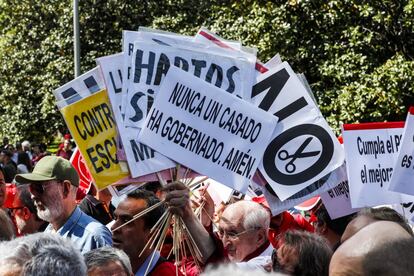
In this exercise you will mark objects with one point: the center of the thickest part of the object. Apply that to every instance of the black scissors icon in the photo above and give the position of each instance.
(290, 167)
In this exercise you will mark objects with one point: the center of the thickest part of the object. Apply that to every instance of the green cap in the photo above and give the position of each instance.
(50, 168)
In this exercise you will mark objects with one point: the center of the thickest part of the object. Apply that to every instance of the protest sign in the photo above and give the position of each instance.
(303, 147)
(403, 172)
(92, 125)
(214, 133)
(265, 97)
(79, 88)
(141, 159)
(225, 69)
(128, 38)
(338, 201)
(371, 150)
(407, 210)
(205, 36)
(322, 185)
(85, 178)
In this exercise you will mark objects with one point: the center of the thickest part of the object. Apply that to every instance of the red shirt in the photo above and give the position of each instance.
(165, 268)
(289, 222)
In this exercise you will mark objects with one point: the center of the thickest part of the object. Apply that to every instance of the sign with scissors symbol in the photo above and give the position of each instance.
(283, 155)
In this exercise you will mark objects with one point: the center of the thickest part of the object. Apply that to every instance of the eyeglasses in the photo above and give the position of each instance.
(233, 235)
(40, 188)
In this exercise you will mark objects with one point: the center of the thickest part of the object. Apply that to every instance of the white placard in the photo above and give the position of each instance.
(141, 159)
(338, 201)
(231, 71)
(303, 147)
(128, 39)
(322, 185)
(212, 132)
(79, 88)
(371, 150)
(403, 173)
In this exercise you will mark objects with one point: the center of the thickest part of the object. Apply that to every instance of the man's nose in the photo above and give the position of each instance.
(226, 241)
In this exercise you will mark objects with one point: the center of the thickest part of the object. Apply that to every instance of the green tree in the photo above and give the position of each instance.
(357, 55)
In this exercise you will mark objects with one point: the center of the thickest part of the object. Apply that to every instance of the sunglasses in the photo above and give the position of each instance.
(40, 188)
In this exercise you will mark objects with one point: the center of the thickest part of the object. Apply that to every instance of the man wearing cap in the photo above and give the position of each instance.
(53, 185)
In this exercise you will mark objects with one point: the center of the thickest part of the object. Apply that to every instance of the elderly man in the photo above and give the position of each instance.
(132, 237)
(107, 261)
(40, 254)
(242, 231)
(53, 185)
(24, 213)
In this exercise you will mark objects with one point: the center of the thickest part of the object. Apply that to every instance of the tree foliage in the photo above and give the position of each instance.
(357, 55)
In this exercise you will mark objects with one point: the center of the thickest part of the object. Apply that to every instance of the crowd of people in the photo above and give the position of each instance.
(46, 230)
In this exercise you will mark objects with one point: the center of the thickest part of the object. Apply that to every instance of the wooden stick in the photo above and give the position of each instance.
(140, 214)
(191, 237)
(177, 172)
(161, 179)
(198, 182)
(159, 244)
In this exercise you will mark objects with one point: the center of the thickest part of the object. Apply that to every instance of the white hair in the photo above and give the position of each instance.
(26, 144)
(254, 215)
(41, 254)
(102, 256)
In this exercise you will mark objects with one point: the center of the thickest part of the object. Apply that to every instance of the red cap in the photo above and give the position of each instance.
(261, 200)
(308, 204)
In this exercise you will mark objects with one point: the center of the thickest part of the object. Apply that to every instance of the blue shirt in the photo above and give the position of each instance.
(84, 232)
(143, 267)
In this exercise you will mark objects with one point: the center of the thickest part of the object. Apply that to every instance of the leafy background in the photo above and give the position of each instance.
(356, 55)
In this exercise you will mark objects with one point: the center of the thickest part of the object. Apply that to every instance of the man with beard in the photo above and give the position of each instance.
(24, 213)
(53, 185)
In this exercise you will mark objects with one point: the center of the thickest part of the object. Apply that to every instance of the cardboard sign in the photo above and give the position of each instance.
(150, 64)
(403, 173)
(212, 132)
(338, 201)
(407, 210)
(303, 147)
(371, 150)
(141, 159)
(128, 38)
(79, 88)
(78, 163)
(92, 125)
(206, 36)
(322, 185)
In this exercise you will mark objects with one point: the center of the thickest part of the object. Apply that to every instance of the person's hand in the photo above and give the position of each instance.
(177, 198)
(207, 213)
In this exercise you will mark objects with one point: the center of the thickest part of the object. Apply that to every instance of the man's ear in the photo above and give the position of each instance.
(324, 228)
(261, 237)
(26, 213)
(66, 188)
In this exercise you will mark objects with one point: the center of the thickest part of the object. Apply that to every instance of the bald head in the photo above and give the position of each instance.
(355, 225)
(347, 260)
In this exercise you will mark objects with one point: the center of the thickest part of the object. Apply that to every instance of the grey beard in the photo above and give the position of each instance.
(53, 210)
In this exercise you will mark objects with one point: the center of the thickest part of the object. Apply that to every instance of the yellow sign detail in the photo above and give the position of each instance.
(92, 125)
